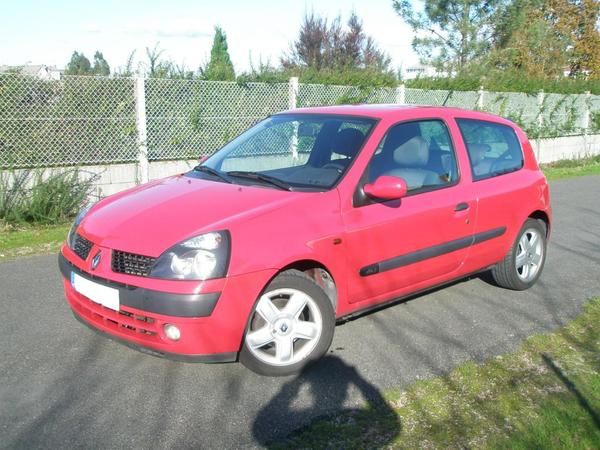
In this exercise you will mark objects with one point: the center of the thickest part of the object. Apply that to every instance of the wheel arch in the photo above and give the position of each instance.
(319, 273)
(310, 267)
(544, 217)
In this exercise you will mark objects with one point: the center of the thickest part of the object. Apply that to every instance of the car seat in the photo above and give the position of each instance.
(411, 160)
(347, 143)
(481, 165)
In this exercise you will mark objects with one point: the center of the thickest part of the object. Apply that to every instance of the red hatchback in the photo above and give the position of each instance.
(309, 217)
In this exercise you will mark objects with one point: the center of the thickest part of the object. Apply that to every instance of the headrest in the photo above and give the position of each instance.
(413, 153)
(347, 142)
(398, 135)
(477, 152)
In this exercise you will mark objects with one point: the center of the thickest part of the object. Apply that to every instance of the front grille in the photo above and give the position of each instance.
(124, 323)
(132, 264)
(82, 247)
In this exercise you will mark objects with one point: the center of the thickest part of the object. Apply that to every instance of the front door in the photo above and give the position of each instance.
(394, 245)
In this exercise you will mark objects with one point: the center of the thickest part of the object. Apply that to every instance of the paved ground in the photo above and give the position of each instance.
(61, 385)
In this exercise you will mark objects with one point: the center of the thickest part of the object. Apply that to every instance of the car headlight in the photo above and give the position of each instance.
(200, 258)
(76, 222)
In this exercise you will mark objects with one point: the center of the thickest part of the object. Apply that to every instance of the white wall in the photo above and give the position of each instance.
(570, 147)
(117, 177)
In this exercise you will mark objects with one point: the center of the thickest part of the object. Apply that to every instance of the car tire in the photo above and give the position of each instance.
(523, 265)
(290, 327)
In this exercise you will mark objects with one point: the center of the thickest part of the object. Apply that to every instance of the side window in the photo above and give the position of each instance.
(419, 152)
(493, 148)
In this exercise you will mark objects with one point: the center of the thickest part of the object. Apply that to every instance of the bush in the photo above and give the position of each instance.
(370, 78)
(595, 122)
(506, 81)
(28, 196)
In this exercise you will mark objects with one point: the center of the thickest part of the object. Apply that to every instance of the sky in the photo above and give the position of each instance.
(47, 32)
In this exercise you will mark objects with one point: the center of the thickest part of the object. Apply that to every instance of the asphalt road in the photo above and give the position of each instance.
(63, 386)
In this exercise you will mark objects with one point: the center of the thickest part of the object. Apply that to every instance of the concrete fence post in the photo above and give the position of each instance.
(293, 92)
(585, 119)
(142, 134)
(401, 94)
(480, 98)
(292, 103)
(540, 102)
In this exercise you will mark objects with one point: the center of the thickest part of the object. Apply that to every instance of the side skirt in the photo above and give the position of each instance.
(396, 300)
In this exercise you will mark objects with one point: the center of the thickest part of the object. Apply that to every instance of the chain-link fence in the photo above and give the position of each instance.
(94, 120)
(67, 122)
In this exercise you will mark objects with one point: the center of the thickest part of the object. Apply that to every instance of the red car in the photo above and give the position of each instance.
(309, 217)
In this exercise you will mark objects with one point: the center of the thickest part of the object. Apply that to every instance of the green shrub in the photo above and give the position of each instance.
(29, 196)
(367, 78)
(595, 122)
(506, 81)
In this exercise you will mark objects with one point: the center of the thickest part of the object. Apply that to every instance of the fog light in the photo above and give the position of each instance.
(172, 332)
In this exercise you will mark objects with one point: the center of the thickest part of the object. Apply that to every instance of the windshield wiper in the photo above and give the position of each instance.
(211, 171)
(261, 177)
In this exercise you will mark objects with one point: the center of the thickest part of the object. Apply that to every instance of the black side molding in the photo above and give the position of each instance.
(430, 252)
(168, 304)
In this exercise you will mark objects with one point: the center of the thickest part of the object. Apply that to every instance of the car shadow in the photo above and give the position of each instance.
(329, 383)
(487, 277)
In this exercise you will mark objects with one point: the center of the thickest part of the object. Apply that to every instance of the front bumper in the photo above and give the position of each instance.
(168, 304)
(211, 316)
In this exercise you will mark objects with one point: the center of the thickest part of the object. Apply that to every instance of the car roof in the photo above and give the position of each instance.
(381, 111)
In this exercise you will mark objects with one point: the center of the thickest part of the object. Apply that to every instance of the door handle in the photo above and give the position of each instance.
(461, 206)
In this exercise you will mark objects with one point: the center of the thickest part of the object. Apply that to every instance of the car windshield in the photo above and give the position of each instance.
(290, 151)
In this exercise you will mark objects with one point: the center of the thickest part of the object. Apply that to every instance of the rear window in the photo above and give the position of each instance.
(493, 148)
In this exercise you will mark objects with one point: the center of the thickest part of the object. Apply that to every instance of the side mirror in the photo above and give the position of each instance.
(386, 187)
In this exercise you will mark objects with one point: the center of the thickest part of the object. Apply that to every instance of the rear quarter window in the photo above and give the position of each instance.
(494, 149)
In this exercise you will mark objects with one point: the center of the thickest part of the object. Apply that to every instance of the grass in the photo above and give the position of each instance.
(544, 395)
(572, 168)
(23, 240)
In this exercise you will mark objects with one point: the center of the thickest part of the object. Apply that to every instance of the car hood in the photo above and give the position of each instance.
(151, 218)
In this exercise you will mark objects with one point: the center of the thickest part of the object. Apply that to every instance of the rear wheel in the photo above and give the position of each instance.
(523, 265)
(291, 326)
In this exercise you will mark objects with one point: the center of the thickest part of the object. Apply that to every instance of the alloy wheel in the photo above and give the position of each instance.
(285, 328)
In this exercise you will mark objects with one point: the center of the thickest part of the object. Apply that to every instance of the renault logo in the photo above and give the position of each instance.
(96, 260)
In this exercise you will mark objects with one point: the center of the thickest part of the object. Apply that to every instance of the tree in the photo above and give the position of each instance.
(79, 65)
(128, 70)
(220, 66)
(451, 33)
(322, 45)
(525, 41)
(546, 38)
(578, 21)
(153, 59)
(101, 67)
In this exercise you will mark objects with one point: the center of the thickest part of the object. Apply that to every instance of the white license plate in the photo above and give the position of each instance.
(104, 295)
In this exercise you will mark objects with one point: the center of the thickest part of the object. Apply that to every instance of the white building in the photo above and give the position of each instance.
(418, 71)
(40, 71)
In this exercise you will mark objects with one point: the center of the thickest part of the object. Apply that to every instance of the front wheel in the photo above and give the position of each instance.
(523, 264)
(292, 325)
